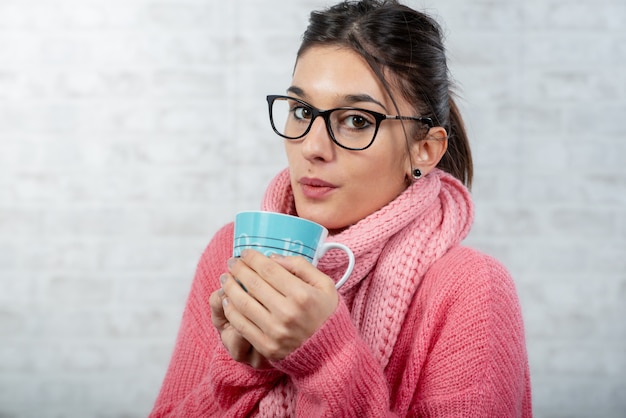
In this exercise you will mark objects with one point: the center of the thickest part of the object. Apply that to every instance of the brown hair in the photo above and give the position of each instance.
(407, 44)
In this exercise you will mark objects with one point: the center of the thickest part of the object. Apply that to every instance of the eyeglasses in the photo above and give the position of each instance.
(350, 128)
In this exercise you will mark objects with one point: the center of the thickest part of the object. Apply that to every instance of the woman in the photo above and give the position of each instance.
(377, 154)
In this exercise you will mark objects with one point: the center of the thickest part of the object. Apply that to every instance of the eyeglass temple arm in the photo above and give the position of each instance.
(427, 121)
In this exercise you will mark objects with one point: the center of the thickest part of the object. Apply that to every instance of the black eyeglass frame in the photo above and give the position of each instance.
(325, 114)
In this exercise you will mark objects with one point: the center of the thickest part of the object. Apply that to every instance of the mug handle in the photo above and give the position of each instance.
(331, 245)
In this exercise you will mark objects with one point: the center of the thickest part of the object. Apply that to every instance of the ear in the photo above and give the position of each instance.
(426, 153)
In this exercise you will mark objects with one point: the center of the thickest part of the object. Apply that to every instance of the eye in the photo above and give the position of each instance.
(357, 122)
(301, 112)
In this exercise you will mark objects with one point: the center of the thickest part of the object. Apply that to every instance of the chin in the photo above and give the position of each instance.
(318, 215)
(332, 225)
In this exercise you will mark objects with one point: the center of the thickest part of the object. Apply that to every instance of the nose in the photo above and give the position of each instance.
(317, 144)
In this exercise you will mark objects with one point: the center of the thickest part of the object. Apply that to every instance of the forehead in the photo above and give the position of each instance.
(335, 72)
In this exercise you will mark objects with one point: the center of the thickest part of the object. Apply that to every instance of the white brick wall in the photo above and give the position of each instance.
(131, 130)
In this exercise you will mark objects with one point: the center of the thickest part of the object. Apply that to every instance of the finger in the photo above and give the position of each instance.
(263, 276)
(244, 300)
(237, 346)
(217, 311)
(244, 307)
(248, 315)
(256, 360)
(301, 268)
(246, 328)
(242, 351)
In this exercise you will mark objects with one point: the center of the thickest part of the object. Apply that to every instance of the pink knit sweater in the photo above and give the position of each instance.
(459, 349)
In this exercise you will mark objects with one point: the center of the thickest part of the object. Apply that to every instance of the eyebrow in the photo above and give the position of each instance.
(351, 99)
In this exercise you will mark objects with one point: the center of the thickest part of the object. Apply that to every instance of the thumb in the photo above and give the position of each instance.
(217, 310)
(301, 268)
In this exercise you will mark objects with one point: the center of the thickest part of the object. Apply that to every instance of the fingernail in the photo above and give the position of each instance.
(225, 302)
(244, 252)
(220, 292)
(223, 279)
(231, 262)
(276, 256)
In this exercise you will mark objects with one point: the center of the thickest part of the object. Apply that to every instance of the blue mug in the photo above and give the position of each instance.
(270, 232)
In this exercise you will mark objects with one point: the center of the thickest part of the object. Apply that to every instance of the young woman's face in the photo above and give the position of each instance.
(334, 186)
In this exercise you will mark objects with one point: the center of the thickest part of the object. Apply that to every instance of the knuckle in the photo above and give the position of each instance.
(290, 319)
(256, 361)
(281, 334)
(273, 351)
(244, 304)
(302, 263)
(237, 355)
(276, 333)
(268, 269)
(301, 298)
(226, 314)
(251, 256)
(214, 300)
(252, 282)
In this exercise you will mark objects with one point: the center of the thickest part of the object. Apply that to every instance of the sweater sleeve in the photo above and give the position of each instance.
(335, 373)
(476, 363)
(202, 379)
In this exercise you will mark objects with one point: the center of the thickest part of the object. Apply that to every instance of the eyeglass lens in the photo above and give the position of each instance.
(351, 128)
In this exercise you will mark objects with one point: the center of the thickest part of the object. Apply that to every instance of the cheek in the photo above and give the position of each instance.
(292, 156)
(395, 165)
(392, 173)
(379, 181)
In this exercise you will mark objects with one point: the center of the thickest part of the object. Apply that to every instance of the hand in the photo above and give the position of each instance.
(237, 346)
(276, 303)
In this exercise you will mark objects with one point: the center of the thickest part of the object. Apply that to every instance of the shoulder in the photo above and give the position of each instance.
(220, 246)
(464, 257)
(212, 263)
(463, 265)
(224, 235)
(471, 323)
(467, 276)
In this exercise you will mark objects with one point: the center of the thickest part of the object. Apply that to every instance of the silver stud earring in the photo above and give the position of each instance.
(417, 174)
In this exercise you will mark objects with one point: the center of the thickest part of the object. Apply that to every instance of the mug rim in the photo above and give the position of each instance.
(268, 212)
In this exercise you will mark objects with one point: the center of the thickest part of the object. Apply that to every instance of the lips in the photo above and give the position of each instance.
(313, 188)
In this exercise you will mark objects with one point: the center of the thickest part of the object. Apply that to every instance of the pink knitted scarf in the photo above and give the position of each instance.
(394, 247)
